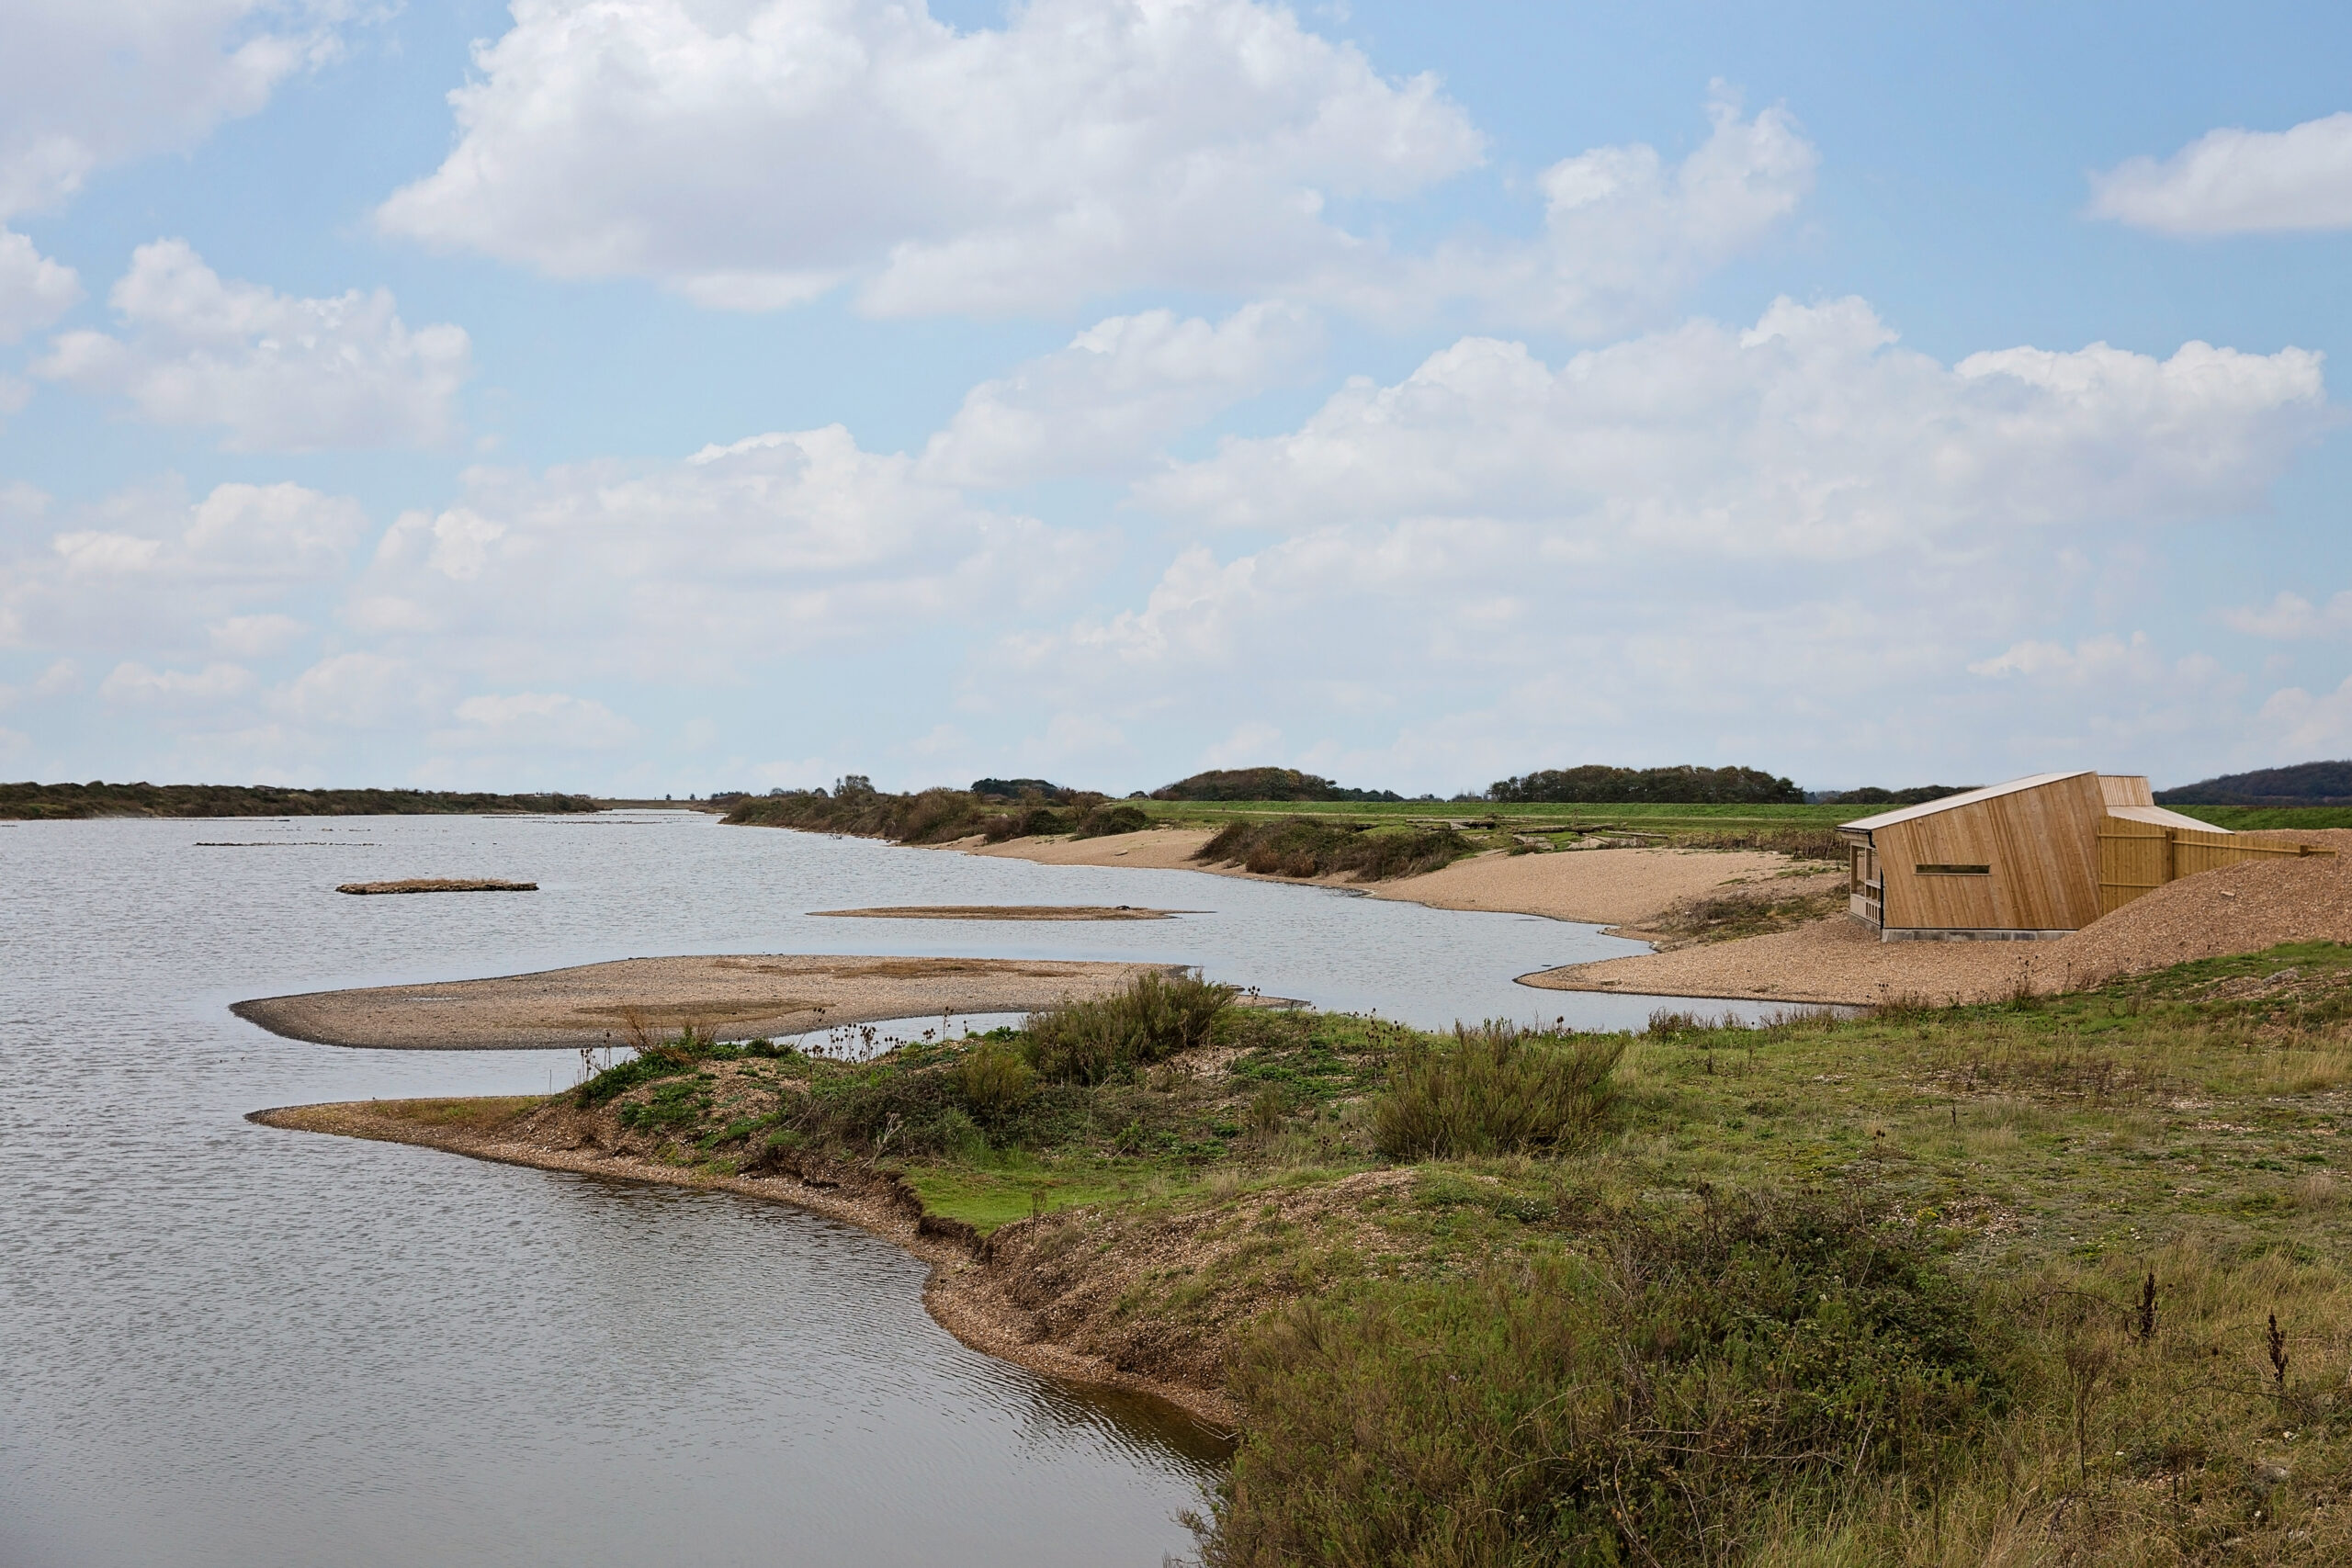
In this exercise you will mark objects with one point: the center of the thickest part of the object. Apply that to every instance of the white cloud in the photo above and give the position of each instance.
(34, 290)
(1626, 234)
(1809, 435)
(62, 677)
(148, 568)
(756, 155)
(357, 691)
(1121, 387)
(2301, 725)
(2089, 662)
(255, 636)
(2237, 182)
(537, 721)
(2290, 615)
(130, 681)
(276, 372)
(781, 542)
(96, 82)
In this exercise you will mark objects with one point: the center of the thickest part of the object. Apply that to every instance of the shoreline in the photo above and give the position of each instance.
(1622, 890)
(958, 1292)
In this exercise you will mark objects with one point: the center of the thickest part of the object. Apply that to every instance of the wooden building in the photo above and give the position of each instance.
(2034, 857)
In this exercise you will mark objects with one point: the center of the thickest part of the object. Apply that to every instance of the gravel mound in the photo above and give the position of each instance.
(2238, 908)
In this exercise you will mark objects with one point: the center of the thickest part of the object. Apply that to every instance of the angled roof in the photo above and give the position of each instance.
(2158, 816)
(1968, 797)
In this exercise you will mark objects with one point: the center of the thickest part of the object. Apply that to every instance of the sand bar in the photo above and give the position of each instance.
(441, 884)
(1005, 912)
(738, 996)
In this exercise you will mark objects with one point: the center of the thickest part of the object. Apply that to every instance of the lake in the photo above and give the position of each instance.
(227, 1344)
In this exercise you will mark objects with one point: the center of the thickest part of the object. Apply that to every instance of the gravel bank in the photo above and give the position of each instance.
(2238, 908)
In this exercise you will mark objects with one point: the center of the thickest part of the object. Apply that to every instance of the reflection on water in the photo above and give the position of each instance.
(228, 1344)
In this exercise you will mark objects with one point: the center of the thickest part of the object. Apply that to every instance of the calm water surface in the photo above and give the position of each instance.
(226, 1344)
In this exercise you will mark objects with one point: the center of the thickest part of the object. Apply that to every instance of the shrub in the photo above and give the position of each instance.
(1154, 1018)
(1494, 1090)
(1107, 819)
(1674, 1399)
(1303, 846)
(995, 1081)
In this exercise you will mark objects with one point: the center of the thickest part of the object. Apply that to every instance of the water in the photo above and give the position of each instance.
(228, 1344)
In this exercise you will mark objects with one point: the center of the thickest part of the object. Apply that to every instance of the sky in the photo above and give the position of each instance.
(670, 396)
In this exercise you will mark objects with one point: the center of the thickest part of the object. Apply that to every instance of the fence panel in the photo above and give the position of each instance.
(2134, 859)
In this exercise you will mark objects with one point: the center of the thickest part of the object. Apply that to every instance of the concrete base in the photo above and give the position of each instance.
(1931, 933)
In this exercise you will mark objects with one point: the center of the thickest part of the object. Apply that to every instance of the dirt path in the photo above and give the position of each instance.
(962, 1293)
(596, 1004)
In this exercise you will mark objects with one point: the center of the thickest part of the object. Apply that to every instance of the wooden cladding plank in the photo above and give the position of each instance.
(2041, 844)
(2125, 789)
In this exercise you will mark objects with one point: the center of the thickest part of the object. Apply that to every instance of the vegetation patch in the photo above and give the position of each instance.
(59, 801)
(1306, 846)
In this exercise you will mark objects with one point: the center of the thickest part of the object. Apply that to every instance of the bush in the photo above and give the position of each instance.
(1496, 1091)
(1107, 819)
(995, 1081)
(1092, 1041)
(1304, 846)
(1693, 1387)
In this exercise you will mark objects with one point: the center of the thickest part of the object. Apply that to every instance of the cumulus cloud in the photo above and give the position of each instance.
(1120, 387)
(1625, 232)
(536, 721)
(98, 82)
(780, 542)
(277, 373)
(130, 681)
(2301, 725)
(756, 155)
(34, 290)
(355, 691)
(149, 568)
(1811, 434)
(2290, 615)
(2237, 182)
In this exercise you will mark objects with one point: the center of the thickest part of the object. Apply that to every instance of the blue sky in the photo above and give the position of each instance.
(669, 395)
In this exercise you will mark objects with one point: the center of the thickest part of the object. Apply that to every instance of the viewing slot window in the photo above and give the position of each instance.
(1952, 870)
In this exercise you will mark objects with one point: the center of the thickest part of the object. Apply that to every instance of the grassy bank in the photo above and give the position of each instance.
(49, 802)
(2058, 1280)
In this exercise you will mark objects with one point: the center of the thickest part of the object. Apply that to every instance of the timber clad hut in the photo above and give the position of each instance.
(2035, 857)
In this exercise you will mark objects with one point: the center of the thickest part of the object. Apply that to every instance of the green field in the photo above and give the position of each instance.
(1670, 820)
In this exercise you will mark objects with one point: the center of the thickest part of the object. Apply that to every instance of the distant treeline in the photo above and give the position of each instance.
(2304, 784)
(1598, 785)
(1919, 795)
(40, 801)
(1263, 784)
(939, 816)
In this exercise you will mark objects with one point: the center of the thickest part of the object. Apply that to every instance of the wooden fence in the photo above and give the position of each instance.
(2135, 858)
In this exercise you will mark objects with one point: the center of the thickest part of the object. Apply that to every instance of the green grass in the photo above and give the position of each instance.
(2249, 818)
(1829, 1291)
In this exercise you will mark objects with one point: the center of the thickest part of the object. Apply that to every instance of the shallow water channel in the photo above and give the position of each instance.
(226, 1344)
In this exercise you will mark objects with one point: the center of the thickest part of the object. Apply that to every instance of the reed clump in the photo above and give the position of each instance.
(1497, 1090)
